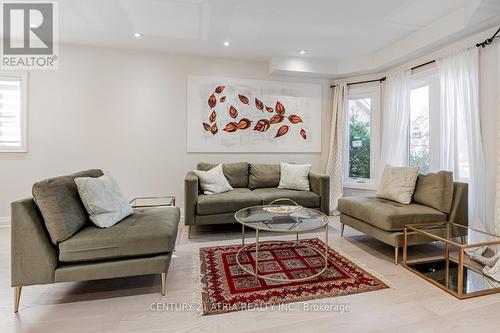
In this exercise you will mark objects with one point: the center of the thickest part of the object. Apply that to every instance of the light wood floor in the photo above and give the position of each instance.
(123, 305)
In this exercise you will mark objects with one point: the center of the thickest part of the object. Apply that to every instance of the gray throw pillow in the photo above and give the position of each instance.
(435, 190)
(103, 200)
(60, 205)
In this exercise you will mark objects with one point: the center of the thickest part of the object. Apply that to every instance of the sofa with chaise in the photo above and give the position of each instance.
(140, 244)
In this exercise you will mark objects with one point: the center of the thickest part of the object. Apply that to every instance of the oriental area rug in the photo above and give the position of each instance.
(226, 287)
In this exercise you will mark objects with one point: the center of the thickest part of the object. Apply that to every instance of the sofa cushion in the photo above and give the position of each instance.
(263, 175)
(303, 198)
(148, 231)
(59, 202)
(386, 214)
(236, 173)
(435, 190)
(227, 202)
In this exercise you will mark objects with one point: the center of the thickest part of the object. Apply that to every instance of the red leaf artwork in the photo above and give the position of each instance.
(219, 89)
(258, 104)
(243, 99)
(303, 134)
(212, 101)
(214, 129)
(222, 99)
(213, 116)
(276, 119)
(294, 119)
(231, 127)
(280, 109)
(244, 123)
(281, 131)
(206, 126)
(233, 112)
(262, 125)
(269, 109)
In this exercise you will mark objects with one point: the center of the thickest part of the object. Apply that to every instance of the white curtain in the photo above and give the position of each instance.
(460, 129)
(334, 164)
(396, 117)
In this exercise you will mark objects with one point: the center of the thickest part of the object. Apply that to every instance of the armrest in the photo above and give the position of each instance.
(33, 256)
(190, 198)
(460, 205)
(320, 184)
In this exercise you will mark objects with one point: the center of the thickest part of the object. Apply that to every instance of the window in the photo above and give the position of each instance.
(362, 144)
(423, 140)
(12, 112)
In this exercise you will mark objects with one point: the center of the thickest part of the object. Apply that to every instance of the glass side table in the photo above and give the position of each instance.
(149, 202)
(448, 265)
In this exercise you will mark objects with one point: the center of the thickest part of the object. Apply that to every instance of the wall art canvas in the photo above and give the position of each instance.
(239, 115)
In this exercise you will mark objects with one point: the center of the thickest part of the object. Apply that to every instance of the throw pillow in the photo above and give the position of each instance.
(103, 200)
(235, 173)
(213, 181)
(294, 176)
(398, 183)
(60, 205)
(435, 190)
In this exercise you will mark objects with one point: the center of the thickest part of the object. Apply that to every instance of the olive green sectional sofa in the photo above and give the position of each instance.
(385, 219)
(254, 184)
(53, 240)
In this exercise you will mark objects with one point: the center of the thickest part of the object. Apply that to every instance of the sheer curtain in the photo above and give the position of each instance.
(334, 164)
(396, 117)
(460, 129)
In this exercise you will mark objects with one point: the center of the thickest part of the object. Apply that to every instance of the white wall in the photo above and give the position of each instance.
(124, 111)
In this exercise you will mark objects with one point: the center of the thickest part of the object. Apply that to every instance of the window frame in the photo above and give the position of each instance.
(23, 147)
(359, 92)
(429, 77)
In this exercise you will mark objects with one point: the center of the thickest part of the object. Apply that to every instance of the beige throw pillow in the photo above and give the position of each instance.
(398, 183)
(294, 176)
(103, 200)
(435, 190)
(213, 181)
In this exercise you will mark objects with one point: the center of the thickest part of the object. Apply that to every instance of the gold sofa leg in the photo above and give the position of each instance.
(342, 227)
(17, 298)
(396, 255)
(163, 283)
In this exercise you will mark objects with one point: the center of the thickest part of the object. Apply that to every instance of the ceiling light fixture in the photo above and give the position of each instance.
(226, 43)
(138, 35)
(303, 51)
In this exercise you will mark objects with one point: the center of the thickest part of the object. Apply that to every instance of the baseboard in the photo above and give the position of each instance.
(4, 221)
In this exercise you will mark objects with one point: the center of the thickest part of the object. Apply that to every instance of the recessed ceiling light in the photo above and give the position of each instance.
(303, 51)
(138, 35)
(226, 43)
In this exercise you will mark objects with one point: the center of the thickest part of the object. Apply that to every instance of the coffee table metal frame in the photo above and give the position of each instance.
(257, 243)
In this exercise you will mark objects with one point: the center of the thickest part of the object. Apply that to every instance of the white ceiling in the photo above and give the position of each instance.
(331, 30)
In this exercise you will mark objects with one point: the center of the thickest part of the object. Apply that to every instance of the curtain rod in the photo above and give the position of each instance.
(382, 79)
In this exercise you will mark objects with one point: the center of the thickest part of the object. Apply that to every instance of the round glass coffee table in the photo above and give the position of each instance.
(281, 219)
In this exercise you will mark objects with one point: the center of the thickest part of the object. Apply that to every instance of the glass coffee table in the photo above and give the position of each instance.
(280, 219)
(449, 266)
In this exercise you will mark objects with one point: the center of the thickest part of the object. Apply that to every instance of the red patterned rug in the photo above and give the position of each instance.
(226, 287)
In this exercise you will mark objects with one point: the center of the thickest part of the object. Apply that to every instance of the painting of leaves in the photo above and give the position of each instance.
(239, 115)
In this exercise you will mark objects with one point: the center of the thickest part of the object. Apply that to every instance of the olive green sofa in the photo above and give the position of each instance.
(385, 219)
(254, 184)
(140, 244)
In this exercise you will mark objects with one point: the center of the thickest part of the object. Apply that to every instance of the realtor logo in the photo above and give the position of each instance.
(29, 35)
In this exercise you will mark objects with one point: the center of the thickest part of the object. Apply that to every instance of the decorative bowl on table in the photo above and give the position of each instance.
(282, 209)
